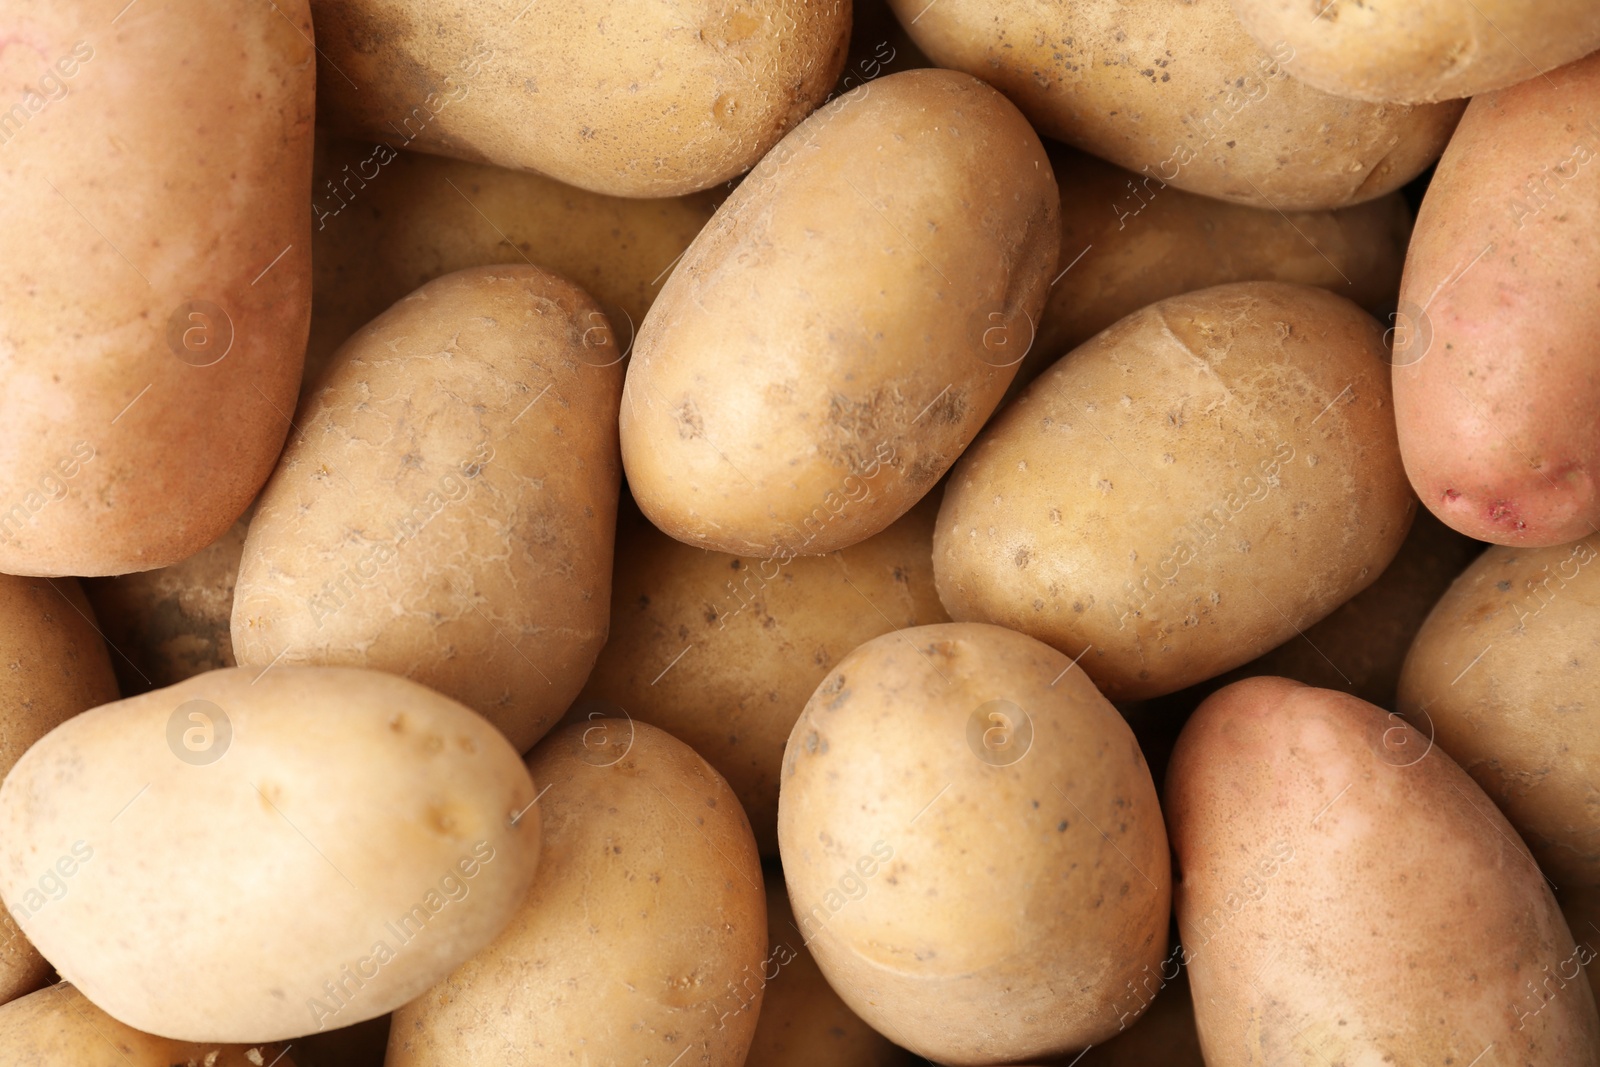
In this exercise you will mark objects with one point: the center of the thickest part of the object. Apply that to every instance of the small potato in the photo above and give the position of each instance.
(643, 939)
(449, 512)
(250, 856)
(972, 845)
(1347, 895)
(1185, 491)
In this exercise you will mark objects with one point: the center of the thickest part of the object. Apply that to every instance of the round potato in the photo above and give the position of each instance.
(1184, 492)
(1505, 676)
(155, 261)
(254, 855)
(449, 513)
(632, 99)
(972, 845)
(1179, 92)
(1346, 895)
(829, 345)
(645, 936)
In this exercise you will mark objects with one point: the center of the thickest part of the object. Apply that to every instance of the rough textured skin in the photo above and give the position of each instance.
(854, 311)
(1506, 675)
(643, 940)
(1496, 385)
(450, 511)
(1185, 491)
(1347, 895)
(760, 638)
(1582, 910)
(151, 183)
(224, 900)
(1422, 50)
(387, 221)
(1178, 91)
(626, 97)
(978, 880)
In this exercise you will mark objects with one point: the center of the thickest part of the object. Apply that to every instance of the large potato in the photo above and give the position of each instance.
(1505, 676)
(1347, 895)
(972, 845)
(850, 317)
(449, 512)
(1186, 491)
(248, 856)
(633, 98)
(1494, 385)
(155, 266)
(1178, 92)
(642, 941)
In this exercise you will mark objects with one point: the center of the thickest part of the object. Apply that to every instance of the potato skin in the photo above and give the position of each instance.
(895, 883)
(1506, 674)
(1180, 92)
(1185, 491)
(449, 514)
(1495, 391)
(810, 370)
(151, 191)
(640, 938)
(1346, 894)
(628, 98)
(341, 800)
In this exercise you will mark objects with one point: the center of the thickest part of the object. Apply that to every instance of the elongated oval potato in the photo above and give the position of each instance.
(632, 946)
(155, 261)
(850, 317)
(1506, 676)
(630, 98)
(972, 845)
(450, 511)
(1179, 92)
(249, 856)
(1495, 392)
(1346, 894)
(1185, 491)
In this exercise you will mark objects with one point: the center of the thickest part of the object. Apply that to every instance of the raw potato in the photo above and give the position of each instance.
(1165, 1034)
(630, 98)
(851, 316)
(449, 513)
(1179, 92)
(1505, 676)
(1494, 383)
(972, 845)
(249, 856)
(155, 256)
(724, 652)
(1347, 895)
(647, 917)
(1184, 492)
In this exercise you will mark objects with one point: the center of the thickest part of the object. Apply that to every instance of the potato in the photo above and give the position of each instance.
(724, 652)
(972, 845)
(1505, 677)
(633, 945)
(1493, 384)
(1582, 910)
(154, 253)
(829, 345)
(1180, 93)
(252, 855)
(630, 99)
(443, 517)
(1165, 1034)
(1346, 894)
(1184, 492)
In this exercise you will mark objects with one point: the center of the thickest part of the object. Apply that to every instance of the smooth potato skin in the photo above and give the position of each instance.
(1495, 389)
(1347, 894)
(152, 183)
(643, 938)
(829, 345)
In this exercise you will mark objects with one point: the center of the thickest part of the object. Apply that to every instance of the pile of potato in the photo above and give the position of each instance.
(791, 533)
